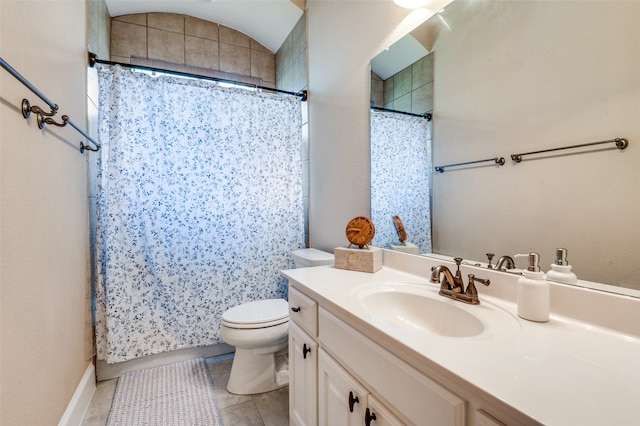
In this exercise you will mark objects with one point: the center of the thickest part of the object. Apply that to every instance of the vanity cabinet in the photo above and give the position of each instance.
(303, 359)
(325, 356)
(343, 401)
(379, 414)
(411, 396)
(338, 376)
(303, 362)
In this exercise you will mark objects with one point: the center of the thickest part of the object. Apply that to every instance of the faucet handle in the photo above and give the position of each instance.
(490, 257)
(472, 279)
(458, 261)
(471, 288)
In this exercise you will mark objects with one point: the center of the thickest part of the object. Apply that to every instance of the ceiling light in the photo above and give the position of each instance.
(411, 4)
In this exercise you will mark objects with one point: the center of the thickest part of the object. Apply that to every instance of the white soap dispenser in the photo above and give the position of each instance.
(561, 270)
(533, 292)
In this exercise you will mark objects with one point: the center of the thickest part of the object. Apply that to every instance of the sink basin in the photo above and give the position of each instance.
(423, 312)
(418, 307)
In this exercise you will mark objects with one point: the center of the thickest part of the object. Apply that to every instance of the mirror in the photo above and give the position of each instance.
(400, 181)
(402, 102)
(516, 77)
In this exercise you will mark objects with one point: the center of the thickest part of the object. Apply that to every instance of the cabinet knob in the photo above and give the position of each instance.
(353, 400)
(368, 416)
(305, 350)
(295, 309)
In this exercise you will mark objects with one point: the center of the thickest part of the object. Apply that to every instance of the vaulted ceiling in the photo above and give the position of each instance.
(269, 22)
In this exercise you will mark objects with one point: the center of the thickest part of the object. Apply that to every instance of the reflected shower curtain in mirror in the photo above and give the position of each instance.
(401, 178)
(199, 205)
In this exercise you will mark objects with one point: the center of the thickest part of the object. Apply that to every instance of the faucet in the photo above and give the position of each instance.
(508, 260)
(452, 286)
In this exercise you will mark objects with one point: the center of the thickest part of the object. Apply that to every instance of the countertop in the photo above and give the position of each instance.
(562, 372)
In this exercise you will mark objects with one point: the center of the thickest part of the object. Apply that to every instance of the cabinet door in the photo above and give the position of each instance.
(303, 363)
(341, 399)
(379, 415)
(419, 399)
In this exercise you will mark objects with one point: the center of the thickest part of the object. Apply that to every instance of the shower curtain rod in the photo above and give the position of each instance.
(93, 59)
(426, 115)
(43, 116)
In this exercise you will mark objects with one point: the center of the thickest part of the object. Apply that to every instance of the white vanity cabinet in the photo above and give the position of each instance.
(512, 372)
(379, 415)
(411, 396)
(338, 375)
(303, 377)
(343, 401)
(325, 354)
(303, 359)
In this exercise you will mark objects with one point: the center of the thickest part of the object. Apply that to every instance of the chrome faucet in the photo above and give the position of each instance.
(452, 286)
(507, 261)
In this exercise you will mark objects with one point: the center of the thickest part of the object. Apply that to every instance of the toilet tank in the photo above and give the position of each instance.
(311, 257)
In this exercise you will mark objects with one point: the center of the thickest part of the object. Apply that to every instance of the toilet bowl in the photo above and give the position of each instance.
(260, 332)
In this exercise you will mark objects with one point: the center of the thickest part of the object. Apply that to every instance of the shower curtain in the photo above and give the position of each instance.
(199, 205)
(401, 178)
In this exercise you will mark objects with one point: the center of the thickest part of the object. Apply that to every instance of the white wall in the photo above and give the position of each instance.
(342, 37)
(44, 251)
(524, 76)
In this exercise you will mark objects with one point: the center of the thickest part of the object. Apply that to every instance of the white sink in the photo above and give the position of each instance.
(418, 307)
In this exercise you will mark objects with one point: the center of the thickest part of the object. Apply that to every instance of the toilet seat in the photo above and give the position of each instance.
(257, 314)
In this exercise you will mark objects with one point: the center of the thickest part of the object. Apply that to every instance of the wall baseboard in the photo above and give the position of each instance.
(79, 403)
(111, 371)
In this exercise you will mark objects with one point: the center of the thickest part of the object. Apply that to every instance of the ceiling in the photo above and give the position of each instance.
(269, 22)
(398, 56)
(415, 45)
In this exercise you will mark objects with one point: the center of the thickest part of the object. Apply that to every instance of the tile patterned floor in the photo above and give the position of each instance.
(265, 409)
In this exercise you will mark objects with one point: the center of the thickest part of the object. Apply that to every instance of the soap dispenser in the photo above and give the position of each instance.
(533, 292)
(561, 270)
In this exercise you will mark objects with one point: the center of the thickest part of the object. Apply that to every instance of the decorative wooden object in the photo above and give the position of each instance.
(402, 234)
(360, 231)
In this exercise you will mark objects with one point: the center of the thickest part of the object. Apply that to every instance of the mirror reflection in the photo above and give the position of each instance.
(400, 181)
(402, 102)
(513, 77)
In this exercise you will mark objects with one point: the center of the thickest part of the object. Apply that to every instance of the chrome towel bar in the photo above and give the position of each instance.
(497, 160)
(621, 143)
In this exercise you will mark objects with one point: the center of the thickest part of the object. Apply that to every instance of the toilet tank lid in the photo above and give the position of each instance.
(257, 312)
(313, 256)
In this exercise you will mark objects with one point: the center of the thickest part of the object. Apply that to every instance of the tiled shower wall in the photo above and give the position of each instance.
(410, 90)
(98, 41)
(193, 44)
(291, 75)
(291, 59)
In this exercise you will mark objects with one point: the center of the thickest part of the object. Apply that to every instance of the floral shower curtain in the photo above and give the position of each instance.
(401, 178)
(199, 205)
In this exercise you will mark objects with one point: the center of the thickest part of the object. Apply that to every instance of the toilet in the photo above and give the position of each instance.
(260, 332)
(311, 257)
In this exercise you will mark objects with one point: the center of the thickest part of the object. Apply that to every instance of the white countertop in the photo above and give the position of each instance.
(563, 372)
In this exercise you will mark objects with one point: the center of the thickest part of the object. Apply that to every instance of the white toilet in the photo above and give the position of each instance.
(260, 332)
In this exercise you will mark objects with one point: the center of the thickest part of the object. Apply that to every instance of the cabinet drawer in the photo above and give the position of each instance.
(303, 311)
(418, 398)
